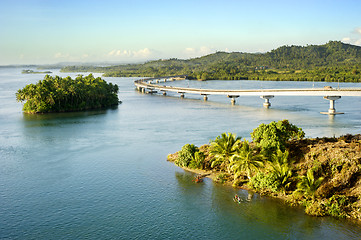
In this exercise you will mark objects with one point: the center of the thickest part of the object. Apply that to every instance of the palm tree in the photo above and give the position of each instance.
(282, 168)
(222, 149)
(308, 184)
(246, 160)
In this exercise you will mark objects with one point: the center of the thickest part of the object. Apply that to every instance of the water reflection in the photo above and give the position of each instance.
(67, 115)
(257, 214)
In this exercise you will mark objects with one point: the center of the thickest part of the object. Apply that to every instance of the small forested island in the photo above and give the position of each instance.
(322, 174)
(57, 94)
(28, 71)
(331, 62)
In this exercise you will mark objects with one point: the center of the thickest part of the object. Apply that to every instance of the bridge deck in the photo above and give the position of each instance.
(252, 92)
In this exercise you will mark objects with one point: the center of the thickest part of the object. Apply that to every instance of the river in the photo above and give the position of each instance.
(104, 175)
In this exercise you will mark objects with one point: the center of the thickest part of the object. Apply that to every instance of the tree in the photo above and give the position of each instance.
(246, 159)
(197, 160)
(308, 184)
(274, 135)
(281, 169)
(222, 149)
(186, 155)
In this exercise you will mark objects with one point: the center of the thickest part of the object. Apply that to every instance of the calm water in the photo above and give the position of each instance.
(104, 174)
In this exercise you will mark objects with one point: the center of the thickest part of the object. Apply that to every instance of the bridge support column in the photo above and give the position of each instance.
(332, 110)
(182, 94)
(205, 97)
(143, 90)
(164, 93)
(266, 98)
(233, 98)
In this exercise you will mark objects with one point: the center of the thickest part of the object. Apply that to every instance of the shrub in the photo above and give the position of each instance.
(264, 181)
(315, 208)
(222, 178)
(197, 160)
(336, 206)
(186, 155)
(274, 135)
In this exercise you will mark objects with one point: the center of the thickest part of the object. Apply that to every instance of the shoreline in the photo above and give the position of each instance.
(337, 160)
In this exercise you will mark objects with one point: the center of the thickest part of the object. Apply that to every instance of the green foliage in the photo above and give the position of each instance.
(334, 61)
(56, 94)
(308, 184)
(246, 159)
(279, 178)
(281, 169)
(223, 148)
(222, 178)
(191, 157)
(197, 160)
(314, 208)
(336, 206)
(186, 155)
(264, 181)
(274, 135)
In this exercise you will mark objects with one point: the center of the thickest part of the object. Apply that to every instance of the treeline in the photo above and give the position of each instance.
(56, 94)
(334, 61)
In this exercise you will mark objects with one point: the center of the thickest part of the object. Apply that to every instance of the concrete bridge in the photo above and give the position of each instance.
(151, 85)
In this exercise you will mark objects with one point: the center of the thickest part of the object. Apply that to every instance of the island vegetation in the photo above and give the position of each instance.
(57, 94)
(322, 174)
(331, 62)
(28, 71)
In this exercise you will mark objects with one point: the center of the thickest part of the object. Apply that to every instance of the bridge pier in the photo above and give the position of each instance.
(233, 98)
(164, 93)
(266, 98)
(148, 86)
(332, 110)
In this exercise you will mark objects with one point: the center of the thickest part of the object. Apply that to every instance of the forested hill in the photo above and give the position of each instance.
(334, 61)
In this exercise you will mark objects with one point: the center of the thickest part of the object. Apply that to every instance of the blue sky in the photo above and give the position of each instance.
(45, 31)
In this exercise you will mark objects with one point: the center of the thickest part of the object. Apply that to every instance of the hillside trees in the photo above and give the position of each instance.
(334, 61)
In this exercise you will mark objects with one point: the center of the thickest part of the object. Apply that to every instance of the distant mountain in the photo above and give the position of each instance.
(329, 62)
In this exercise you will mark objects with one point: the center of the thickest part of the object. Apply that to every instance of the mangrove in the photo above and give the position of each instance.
(57, 94)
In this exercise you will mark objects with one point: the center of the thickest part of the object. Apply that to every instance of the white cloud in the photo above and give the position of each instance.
(198, 52)
(190, 51)
(141, 54)
(61, 55)
(355, 39)
(358, 31)
(346, 40)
